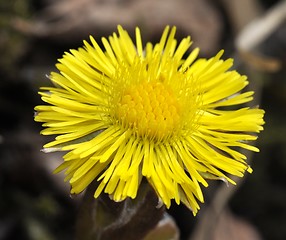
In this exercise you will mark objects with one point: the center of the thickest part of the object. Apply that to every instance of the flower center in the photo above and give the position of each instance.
(150, 108)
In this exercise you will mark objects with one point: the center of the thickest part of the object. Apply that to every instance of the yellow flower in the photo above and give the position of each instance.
(128, 112)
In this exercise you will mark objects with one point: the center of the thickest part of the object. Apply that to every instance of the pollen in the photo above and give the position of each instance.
(151, 109)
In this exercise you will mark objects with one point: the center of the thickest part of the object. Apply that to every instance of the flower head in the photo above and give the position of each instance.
(128, 112)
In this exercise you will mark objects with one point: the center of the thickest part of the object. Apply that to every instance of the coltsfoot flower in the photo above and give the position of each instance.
(128, 112)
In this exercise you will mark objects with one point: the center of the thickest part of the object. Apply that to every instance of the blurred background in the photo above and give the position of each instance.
(35, 204)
